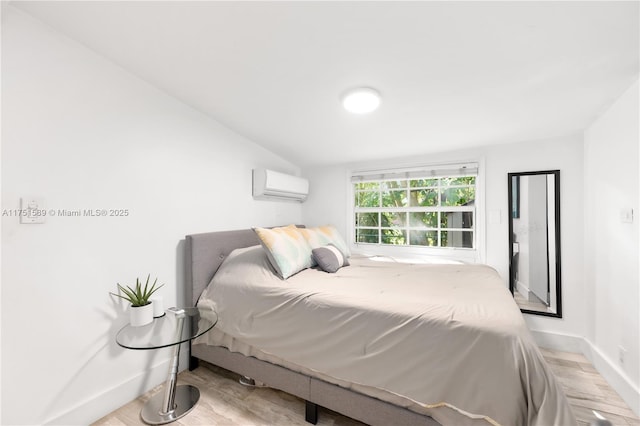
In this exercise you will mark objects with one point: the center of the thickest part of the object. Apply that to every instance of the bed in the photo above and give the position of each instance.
(455, 352)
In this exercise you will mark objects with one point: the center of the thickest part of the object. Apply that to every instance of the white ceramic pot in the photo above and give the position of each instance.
(140, 315)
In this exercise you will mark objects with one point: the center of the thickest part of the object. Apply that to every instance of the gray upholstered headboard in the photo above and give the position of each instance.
(204, 254)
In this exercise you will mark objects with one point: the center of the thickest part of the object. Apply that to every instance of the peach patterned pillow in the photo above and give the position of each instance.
(287, 249)
(321, 236)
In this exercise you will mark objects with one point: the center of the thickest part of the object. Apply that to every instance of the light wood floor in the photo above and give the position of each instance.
(224, 401)
(526, 304)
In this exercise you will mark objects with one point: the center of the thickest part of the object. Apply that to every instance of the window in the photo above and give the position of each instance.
(422, 208)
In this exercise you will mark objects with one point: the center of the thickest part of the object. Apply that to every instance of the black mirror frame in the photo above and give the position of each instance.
(556, 174)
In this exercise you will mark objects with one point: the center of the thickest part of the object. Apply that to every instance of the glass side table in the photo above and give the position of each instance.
(176, 327)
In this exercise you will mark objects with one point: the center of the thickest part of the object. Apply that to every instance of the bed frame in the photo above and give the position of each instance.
(204, 255)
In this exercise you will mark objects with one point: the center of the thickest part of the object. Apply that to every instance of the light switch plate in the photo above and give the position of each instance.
(626, 215)
(31, 210)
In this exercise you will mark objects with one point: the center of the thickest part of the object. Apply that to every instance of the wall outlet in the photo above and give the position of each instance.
(622, 352)
(31, 210)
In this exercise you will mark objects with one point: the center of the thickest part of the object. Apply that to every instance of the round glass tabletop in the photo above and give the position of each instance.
(175, 327)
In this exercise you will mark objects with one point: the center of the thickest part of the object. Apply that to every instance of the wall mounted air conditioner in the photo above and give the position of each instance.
(268, 184)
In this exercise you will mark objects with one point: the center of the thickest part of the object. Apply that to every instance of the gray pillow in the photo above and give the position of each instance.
(330, 258)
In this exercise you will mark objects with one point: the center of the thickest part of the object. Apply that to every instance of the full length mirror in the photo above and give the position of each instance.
(534, 242)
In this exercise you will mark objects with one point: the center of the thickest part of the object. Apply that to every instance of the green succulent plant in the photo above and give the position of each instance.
(138, 296)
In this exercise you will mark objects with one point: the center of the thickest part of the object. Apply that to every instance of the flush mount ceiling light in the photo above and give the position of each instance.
(361, 100)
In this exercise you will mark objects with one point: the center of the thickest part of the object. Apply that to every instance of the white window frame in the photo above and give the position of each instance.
(423, 253)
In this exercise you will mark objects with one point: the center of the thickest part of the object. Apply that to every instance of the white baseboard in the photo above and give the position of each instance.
(617, 378)
(558, 342)
(98, 406)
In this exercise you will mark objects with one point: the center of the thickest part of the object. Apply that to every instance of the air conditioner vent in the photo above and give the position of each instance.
(268, 184)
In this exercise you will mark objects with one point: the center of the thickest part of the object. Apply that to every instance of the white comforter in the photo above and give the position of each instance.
(446, 340)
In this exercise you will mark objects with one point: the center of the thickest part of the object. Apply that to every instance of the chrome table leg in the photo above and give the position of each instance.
(176, 401)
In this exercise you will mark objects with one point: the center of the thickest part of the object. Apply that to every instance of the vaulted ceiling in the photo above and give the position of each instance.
(451, 74)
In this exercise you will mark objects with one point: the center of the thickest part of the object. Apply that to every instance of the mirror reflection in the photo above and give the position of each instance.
(534, 240)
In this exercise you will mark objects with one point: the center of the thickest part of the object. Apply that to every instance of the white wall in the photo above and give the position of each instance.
(328, 200)
(611, 246)
(84, 134)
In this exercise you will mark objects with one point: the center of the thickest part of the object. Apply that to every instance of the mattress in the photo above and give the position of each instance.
(444, 340)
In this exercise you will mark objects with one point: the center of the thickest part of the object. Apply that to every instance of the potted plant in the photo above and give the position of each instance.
(141, 312)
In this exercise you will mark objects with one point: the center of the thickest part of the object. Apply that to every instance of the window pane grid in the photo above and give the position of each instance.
(437, 212)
